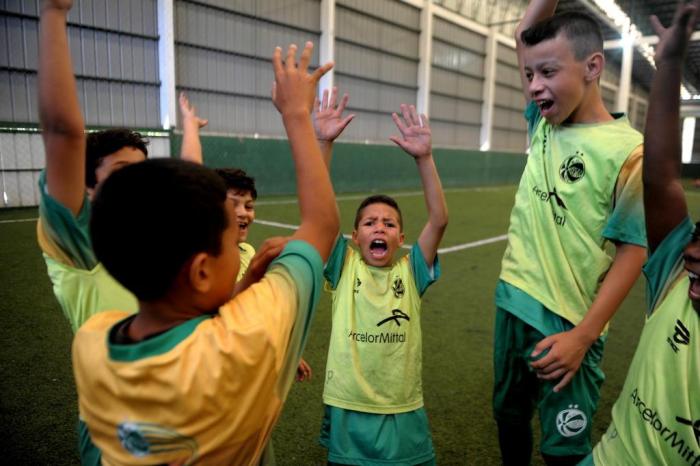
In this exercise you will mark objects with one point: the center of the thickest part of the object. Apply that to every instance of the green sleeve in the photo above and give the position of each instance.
(626, 222)
(663, 264)
(423, 274)
(532, 116)
(90, 455)
(305, 267)
(68, 233)
(334, 266)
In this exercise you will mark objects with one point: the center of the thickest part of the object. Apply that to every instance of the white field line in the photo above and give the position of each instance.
(357, 197)
(455, 248)
(289, 226)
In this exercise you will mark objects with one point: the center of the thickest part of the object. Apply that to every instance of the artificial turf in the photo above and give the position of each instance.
(38, 402)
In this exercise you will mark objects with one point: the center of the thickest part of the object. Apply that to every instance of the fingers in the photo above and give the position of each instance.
(425, 123)
(564, 381)
(277, 62)
(343, 103)
(414, 115)
(406, 113)
(555, 374)
(399, 124)
(290, 62)
(334, 97)
(321, 70)
(317, 104)
(399, 142)
(324, 103)
(346, 121)
(541, 346)
(306, 57)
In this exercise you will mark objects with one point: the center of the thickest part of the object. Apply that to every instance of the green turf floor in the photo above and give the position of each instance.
(37, 399)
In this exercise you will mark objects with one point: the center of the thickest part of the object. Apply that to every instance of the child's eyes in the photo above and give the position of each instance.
(547, 72)
(528, 76)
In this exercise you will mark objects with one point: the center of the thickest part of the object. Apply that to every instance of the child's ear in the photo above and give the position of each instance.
(595, 64)
(402, 237)
(354, 238)
(200, 272)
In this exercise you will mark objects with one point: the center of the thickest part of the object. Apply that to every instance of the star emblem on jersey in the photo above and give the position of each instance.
(573, 168)
(398, 288)
(356, 288)
(571, 421)
(681, 336)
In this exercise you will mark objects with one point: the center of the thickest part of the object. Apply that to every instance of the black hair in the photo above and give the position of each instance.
(238, 181)
(150, 218)
(582, 31)
(378, 199)
(100, 144)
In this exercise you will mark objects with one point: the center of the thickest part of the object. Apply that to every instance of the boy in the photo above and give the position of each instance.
(656, 419)
(240, 186)
(558, 286)
(373, 397)
(192, 377)
(75, 168)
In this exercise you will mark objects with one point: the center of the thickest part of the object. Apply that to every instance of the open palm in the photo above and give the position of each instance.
(328, 119)
(673, 41)
(416, 137)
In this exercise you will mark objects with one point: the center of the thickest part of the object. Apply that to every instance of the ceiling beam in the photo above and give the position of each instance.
(650, 40)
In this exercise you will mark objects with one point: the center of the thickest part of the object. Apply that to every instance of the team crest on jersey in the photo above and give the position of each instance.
(573, 168)
(571, 421)
(398, 288)
(145, 438)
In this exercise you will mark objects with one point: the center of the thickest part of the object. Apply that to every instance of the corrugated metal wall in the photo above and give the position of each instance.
(223, 51)
(376, 63)
(509, 126)
(457, 82)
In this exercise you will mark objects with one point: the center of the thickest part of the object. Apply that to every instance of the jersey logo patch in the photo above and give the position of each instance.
(681, 336)
(571, 421)
(397, 314)
(695, 425)
(573, 168)
(356, 288)
(145, 438)
(398, 288)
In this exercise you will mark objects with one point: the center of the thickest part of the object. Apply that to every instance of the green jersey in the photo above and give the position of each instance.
(375, 353)
(656, 419)
(580, 188)
(81, 284)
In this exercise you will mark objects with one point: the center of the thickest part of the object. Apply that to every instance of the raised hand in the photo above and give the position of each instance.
(303, 371)
(416, 137)
(57, 4)
(328, 118)
(294, 89)
(189, 112)
(673, 41)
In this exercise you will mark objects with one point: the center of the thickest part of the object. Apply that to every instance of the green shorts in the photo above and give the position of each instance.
(566, 416)
(366, 439)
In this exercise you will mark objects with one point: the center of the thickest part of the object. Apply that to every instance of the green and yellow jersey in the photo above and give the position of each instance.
(246, 251)
(656, 419)
(208, 391)
(581, 188)
(81, 284)
(375, 353)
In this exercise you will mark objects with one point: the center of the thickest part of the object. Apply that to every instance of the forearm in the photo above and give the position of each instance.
(623, 273)
(191, 149)
(326, 152)
(319, 212)
(59, 108)
(432, 189)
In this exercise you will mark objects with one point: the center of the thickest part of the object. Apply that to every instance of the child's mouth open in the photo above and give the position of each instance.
(378, 248)
(694, 289)
(545, 106)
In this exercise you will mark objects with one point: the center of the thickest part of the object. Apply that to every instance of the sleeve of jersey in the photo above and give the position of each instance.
(532, 116)
(424, 274)
(62, 235)
(334, 266)
(626, 222)
(664, 263)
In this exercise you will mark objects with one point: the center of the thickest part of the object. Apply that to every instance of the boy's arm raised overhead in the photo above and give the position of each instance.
(62, 126)
(416, 140)
(664, 200)
(293, 94)
(329, 122)
(536, 11)
(191, 149)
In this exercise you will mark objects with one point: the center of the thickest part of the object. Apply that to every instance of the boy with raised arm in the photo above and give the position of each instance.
(373, 394)
(194, 377)
(559, 287)
(656, 419)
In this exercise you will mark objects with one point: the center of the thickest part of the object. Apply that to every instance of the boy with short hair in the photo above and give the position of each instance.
(558, 286)
(373, 395)
(192, 378)
(656, 419)
(75, 167)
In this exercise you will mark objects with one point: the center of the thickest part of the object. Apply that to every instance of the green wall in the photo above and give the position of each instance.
(357, 167)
